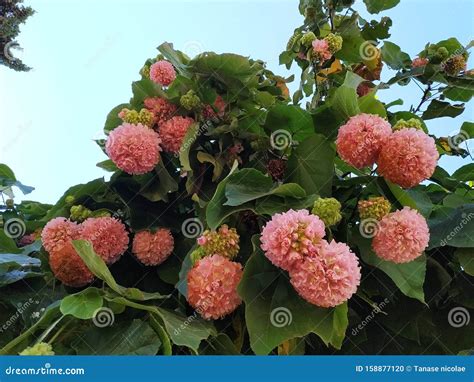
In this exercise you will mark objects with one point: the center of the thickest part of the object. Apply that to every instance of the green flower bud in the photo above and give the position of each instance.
(197, 255)
(442, 53)
(145, 71)
(101, 214)
(224, 242)
(79, 213)
(293, 40)
(144, 116)
(70, 200)
(334, 42)
(41, 348)
(190, 101)
(328, 210)
(412, 123)
(307, 39)
(374, 208)
(10, 203)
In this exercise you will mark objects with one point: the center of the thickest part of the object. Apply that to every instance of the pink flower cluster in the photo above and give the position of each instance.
(212, 286)
(162, 72)
(173, 131)
(162, 109)
(408, 157)
(402, 236)
(153, 248)
(321, 49)
(324, 274)
(208, 111)
(135, 149)
(419, 62)
(107, 235)
(405, 157)
(359, 140)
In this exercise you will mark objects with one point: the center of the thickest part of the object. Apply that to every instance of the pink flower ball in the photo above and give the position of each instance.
(58, 233)
(328, 277)
(172, 133)
(290, 236)
(402, 236)
(408, 157)
(153, 248)
(134, 148)
(68, 267)
(162, 72)
(108, 236)
(419, 61)
(359, 141)
(161, 108)
(212, 286)
(321, 49)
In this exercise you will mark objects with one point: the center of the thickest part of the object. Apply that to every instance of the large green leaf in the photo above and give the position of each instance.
(311, 165)
(393, 56)
(128, 338)
(216, 211)
(466, 259)
(250, 184)
(275, 313)
(83, 304)
(98, 267)
(408, 277)
(158, 184)
(296, 121)
(345, 102)
(452, 226)
(438, 109)
(416, 199)
(464, 173)
(183, 331)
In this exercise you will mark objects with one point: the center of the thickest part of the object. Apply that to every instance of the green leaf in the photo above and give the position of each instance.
(393, 56)
(370, 105)
(216, 211)
(107, 165)
(465, 173)
(296, 121)
(438, 109)
(345, 101)
(155, 323)
(183, 331)
(128, 338)
(83, 304)
(178, 59)
(218, 345)
(376, 6)
(143, 89)
(466, 259)
(408, 277)
(272, 205)
(98, 267)
(7, 244)
(6, 172)
(274, 312)
(374, 30)
(311, 165)
(190, 137)
(203, 157)
(250, 184)
(452, 226)
(415, 199)
(113, 120)
(158, 184)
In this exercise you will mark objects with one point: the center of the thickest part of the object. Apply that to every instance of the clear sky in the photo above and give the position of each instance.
(86, 53)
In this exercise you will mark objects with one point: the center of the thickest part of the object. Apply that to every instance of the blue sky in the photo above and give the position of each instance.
(86, 53)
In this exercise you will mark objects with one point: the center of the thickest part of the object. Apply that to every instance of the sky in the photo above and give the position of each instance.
(85, 55)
